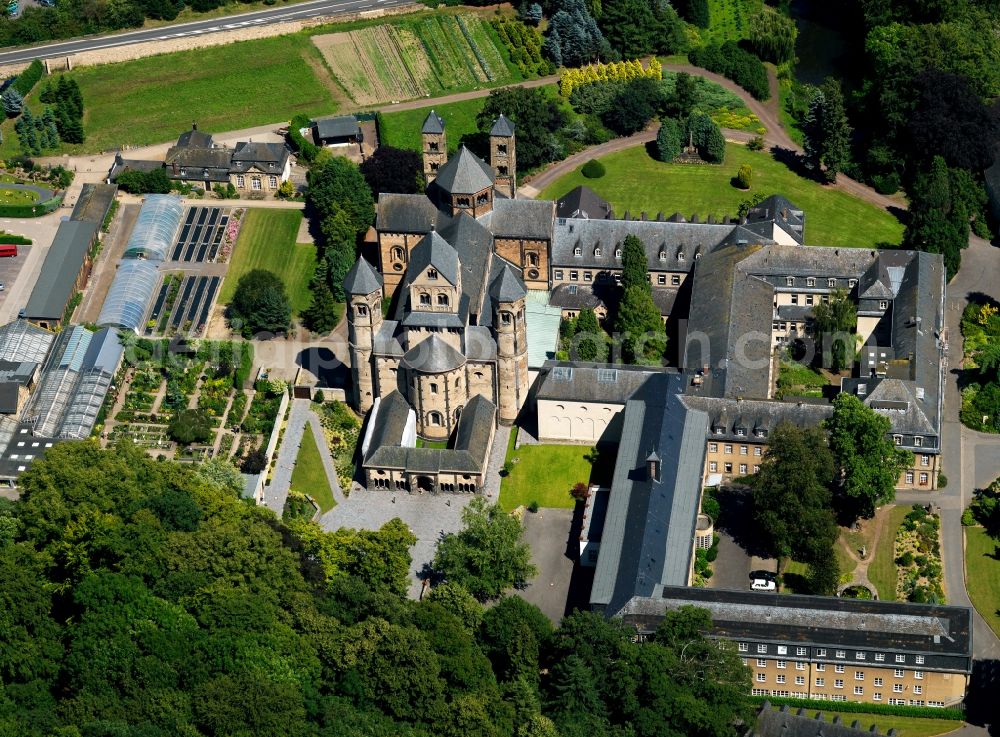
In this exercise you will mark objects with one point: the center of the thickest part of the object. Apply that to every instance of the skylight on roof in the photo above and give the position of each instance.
(607, 376)
(562, 373)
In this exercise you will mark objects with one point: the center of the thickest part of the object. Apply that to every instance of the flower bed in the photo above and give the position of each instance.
(918, 557)
(231, 234)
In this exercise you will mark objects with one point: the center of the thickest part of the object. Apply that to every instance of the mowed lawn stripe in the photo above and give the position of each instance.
(883, 571)
(982, 575)
(222, 88)
(638, 183)
(309, 475)
(267, 241)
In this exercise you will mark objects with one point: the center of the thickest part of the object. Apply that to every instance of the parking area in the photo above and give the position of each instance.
(10, 269)
(560, 584)
(731, 567)
(201, 235)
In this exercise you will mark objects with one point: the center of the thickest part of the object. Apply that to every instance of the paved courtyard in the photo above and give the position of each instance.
(548, 532)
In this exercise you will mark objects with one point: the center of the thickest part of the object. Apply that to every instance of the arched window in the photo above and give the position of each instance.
(397, 254)
(434, 418)
(532, 258)
(442, 300)
(425, 300)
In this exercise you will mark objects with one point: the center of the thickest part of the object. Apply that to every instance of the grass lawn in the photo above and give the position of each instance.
(882, 570)
(904, 726)
(982, 575)
(402, 129)
(222, 88)
(17, 196)
(545, 474)
(636, 182)
(267, 241)
(309, 475)
(795, 574)
(798, 380)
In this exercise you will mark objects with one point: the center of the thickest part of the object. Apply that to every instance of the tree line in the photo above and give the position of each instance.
(143, 598)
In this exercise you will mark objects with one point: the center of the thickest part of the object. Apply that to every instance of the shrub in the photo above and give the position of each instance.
(27, 79)
(533, 506)
(743, 176)
(669, 139)
(593, 169)
(756, 143)
(968, 518)
(920, 712)
(942, 481)
(191, 426)
(886, 183)
(736, 64)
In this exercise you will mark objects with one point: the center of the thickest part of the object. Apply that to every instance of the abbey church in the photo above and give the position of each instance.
(450, 360)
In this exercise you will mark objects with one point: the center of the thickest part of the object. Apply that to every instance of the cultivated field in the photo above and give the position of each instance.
(387, 63)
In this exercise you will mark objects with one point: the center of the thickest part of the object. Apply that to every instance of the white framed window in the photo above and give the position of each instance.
(897, 439)
(728, 449)
(820, 683)
(597, 251)
(758, 451)
(799, 665)
(831, 283)
(839, 668)
(876, 696)
(897, 688)
(852, 283)
(859, 675)
(838, 683)
(798, 650)
(925, 460)
(860, 656)
(272, 182)
(918, 659)
(675, 280)
(241, 181)
(878, 681)
(880, 657)
(782, 649)
(780, 678)
(762, 648)
(743, 647)
(918, 441)
(909, 477)
(883, 305)
(618, 253)
(713, 466)
(810, 282)
(743, 469)
(898, 673)
(782, 664)
(859, 690)
(761, 663)
(789, 281)
(714, 448)
(256, 184)
(761, 678)
(557, 274)
(917, 690)
(918, 674)
(900, 658)
(800, 680)
(841, 654)
(820, 667)
(743, 452)
(760, 692)
(577, 251)
(923, 479)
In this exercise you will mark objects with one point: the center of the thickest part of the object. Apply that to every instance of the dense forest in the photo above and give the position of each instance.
(143, 598)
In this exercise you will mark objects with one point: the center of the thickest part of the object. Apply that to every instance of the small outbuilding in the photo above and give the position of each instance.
(337, 131)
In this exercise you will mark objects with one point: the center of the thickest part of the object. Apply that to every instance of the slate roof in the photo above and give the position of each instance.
(474, 245)
(529, 219)
(506, 286)
(95, 201)
(405, 213)
(583, 202)
(338, 126)
(581, 381)
(17, 372)
(725, 415)
(788, 723)
(680, 243)
(386, 342)
(895, 399)
(782, 213)
(479, 344)
(433, 123)
(268, 157)
(434, 251)
(389, 422)
(464, 173)
(433, 355)
(363, 278)
(9, 392)
(60, 270)
(122, 165)
(575, 297)
(195, 138)
(646, 540)
(475, 425)
(193, 162)
(503, 127)
(781, 261)
(729, 325)
(664, 299)
(822, 620)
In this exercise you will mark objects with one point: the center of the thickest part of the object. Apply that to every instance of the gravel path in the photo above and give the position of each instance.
(276, 492)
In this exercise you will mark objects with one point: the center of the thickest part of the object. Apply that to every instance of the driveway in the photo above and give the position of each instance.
(731, 569)
(548, 532)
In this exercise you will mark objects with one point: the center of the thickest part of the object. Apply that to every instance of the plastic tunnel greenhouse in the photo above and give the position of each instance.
(130, 295)
(153, 234)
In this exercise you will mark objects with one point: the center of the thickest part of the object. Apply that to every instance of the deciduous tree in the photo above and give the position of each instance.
(260, 304)
(826, 131)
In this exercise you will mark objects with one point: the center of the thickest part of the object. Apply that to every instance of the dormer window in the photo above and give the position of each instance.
(883, 305)
(897, 439)
(918, 441)
(852, 283)
(577, 251)
(740, 431)
(663, 255)
(719, 429)
(760, 433)
(597, 251)
(432, 274)
(789, 281)
(618, 253)
(831, 283)
(697, 256)
(810, 282)
(680, 256)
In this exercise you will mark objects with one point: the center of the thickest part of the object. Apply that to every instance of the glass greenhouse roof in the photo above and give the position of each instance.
(154, 230)
(130, 295)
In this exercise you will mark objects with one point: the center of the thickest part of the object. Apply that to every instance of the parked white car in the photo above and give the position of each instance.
(762, 584)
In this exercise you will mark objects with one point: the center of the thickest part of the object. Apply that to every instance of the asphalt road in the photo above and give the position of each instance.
(298, 11)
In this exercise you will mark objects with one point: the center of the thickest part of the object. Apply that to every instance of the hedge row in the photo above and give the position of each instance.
(16, 240)
(854, 707)
(736, 64)
(30, 211)
(27, 79)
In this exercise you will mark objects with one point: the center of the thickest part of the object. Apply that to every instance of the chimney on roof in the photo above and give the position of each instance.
(653, 466)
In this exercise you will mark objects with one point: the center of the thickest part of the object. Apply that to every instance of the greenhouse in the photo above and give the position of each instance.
(153, 234)
(130, 295)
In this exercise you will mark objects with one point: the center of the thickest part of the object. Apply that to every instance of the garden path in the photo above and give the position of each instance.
(276, 492)
(324, 454)
(860, 575)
